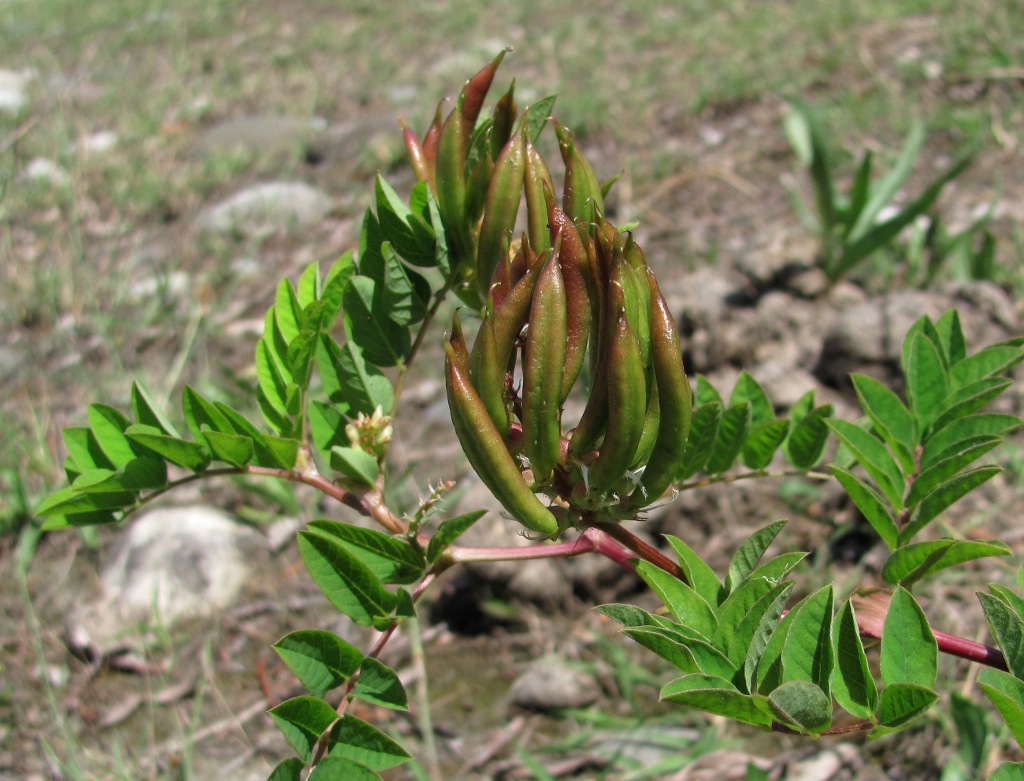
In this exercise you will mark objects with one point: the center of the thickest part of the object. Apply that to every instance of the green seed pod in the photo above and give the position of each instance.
(543, 368)
(476, 191)
(486, 450)
(487, 371)
(451, 191)
(675, 401)
(537, 181)
(512, 314)
(627, 402)
(652, 420)
(501, 209)
(573, 259)
(504, 120)
(581, 196)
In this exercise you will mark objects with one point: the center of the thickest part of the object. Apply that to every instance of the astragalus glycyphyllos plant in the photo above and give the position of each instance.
(568, 305)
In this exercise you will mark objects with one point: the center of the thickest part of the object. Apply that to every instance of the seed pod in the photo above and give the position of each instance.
(652, 419)
(543, 368)
(675, 400)
(417, 157)
(473, 94)
(486, 450)
(573, 259)
(637, 294)
(627, 401)
(581, 196)
(504, 121)
(451, 190)
(487, 371)
(430, 141)
(513, 313)
(501, 208)
(537, 181)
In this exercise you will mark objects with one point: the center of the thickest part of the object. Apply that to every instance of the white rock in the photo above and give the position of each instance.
(266, 207)
(170, 564)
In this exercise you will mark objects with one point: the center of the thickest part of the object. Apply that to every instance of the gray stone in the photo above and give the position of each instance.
(170, 564)
(269, 207)
(551, 683)
(262, 134)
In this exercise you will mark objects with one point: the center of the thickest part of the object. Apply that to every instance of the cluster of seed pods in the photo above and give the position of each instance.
(569, 302)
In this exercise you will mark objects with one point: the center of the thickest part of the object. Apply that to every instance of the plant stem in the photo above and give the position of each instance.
(403, 371)
(704, 482)
(644, 550)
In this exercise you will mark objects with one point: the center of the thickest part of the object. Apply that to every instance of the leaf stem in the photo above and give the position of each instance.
(428, 318)
(704, 482)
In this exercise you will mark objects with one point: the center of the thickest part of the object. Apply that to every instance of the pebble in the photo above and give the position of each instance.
(268, 207)
(552, 683)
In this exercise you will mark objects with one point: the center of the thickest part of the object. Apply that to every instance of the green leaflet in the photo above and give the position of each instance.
(391, 559)
(940, 471)
(749, 553)
(807, 654)
(1007, 694)
(108, 425)
(1008, 628)
(913, 562)
(672, 650)
(944, 495)
(303, 720)
(749, 390)
(803, 706)
(900, 704)
(909, 650)
(194, 456)
(853, 686)
(807, 437)
(698, 574)
(686, 605)
(761, 444)
(347, 583)
(320, 660)
(382, 341)
(732, 432)
(716, 695)
(873, 456)
(348, 380)
(340, 769)
(703, 434)
(354, 739)
(449, 531)
(355, 464)
(871, 504)
(927, 380)
(379, 684)
(952, 437)
(404, 229)
(890, 417)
